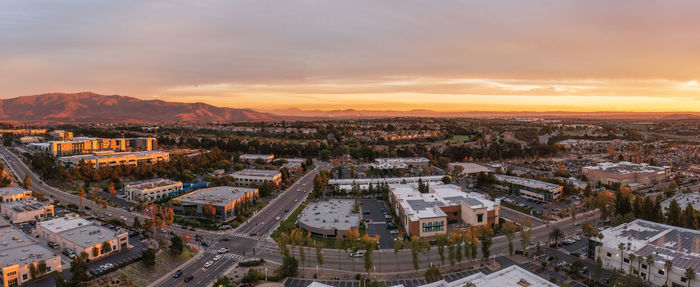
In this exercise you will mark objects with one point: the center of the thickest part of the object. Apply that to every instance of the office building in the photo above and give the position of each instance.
(469, 168)
(26, 210)
(427, 214)
(86, 145)
(625, 173)
(110, 158)
(152, 189)
(81, 235)
(330, 218)
(256, 176)
(251, 158)
(18, 251)
(227, 200)
(529, 188)
(61, 135)
(399, 162)
(345, 184)
(662, 242)
(14, 193)
(23, 131)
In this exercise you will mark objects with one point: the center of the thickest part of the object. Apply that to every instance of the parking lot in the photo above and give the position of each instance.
(121, 257)
(373, 213)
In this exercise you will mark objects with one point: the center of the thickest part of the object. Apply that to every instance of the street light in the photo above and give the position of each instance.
(265, 273)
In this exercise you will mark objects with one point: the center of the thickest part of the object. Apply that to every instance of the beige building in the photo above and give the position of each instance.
(625, 173)
(81, 235)
(61, 135)
(85, 145)
(256, 176)
(26, 210)
(250, 158)
(14, 193)
(109, 158)
(18, 251)
(227, 200)
(150, 190)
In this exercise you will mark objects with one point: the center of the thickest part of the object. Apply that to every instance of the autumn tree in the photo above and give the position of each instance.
(508, 229)
(209, 210)
(27, 182)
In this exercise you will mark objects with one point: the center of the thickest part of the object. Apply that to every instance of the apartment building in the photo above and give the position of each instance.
(81, 235)
(427, 214)
(14, 193)
(61, 135)
(26, 210)
(256, 176)
(18, 251)
(625, 173)
(646, 239)
(23, 131)
(227, 200)
(85, 145)
(152, 189)
(529, 188)
(110, 158)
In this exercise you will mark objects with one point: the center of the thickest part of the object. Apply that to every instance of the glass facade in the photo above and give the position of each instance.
(433, 226)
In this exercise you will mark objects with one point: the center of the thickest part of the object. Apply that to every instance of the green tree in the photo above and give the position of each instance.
(289, 267)
(673, 215)
(689, 275)
(433, 274)
(485, 234)
(398, 244)
(176, 245)
(598, 269)
(137, 224)
(106, 247)
(508, 229)
(526, 233)
(441, 241)
(148, 257)
(650, 263)
(555, 235)
(79, 268)
(668, 264)
(690, 219)
(319, 254)
(621, 247)
(33, 272)
(223, 281)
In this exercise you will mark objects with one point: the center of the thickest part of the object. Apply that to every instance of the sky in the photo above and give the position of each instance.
(640, 56)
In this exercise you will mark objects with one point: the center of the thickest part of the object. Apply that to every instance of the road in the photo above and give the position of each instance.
(249, 239)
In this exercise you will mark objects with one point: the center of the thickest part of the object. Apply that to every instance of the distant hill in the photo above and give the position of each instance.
(89, 107)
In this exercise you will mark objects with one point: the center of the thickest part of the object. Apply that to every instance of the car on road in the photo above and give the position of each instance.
(189, 278)
(217, 257)
(208, 264)
(122, 218)
(277, 218)
(394, 231)
(177, 274)
(357, 254)
(223, 250)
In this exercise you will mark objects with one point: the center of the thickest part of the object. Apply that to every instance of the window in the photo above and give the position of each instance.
(683, 279)
(661, 272)
(479, 218)
(644, 266)
(48, 269)
(609, 255)
(627, 260)
(24, 276)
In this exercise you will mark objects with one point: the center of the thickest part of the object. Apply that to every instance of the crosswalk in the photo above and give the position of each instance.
(233, 256)
(243, 235)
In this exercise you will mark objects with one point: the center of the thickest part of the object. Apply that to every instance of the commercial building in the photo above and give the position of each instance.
(31, 139)
(256, 176)
(644, 238)
(529, 188)
(23, 131)
(110, 158)
(61, 135)
(683, 200)
(469, 168)
(399, 162)
(250, 157)
(26, 210)
(14, 193)
(346, 183)
(427, 214)
(625, 173)
(330, 218)
(152, 189)
(18, 251)
(85, 145)
(227, 200)
(81, 235)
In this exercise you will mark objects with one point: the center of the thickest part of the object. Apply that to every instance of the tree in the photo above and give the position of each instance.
(632, 258)
(289, 267)
(106, 247)
(689, 275)
(433, 274)
(508, 229)
(556, 234)
(223, 281)
(79, 268)
(95, 251)
(441, 241)
(112, 192)
(673, 215)
(397, 246)
(526, 233)
(650, 263)
(176, 245)
(415, 246)
(81, 193)
(27, 182)
(33, 272)
(690, 219)
(485, 234)
(599, 269)
(209, 210)
(319, 254)
(668, 264)
(148, 257)
(137, 224)
(621, 247)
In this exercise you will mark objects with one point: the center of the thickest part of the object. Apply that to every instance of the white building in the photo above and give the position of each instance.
(346, 183)
(18, 251)
(152, 189)
(81, 235)
(329, 218)
(399, 162)
(26, 210)
(683, 200)
(662, 242)
(256, 176)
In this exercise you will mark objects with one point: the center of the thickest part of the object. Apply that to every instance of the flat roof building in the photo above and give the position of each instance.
(399, 162)
(18, 251)
(109, 158)
(346, 183)
(470, 168)
(81, 235)
(427, 214)
(330, 218)
(227, 200)
(660, 241)
(252, 157)
(84, 145)
(14, 193)
(152, 189)
(529, 188)
(257, 176)
(683, 200)
(26, 210)
(625, 173)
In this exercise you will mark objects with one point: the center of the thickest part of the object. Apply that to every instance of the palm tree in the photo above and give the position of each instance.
(92, 200)
(650, 262)
(621, 246)
(82, 195)
(556, 235)
(668, 265)
(632, 258)
(689, 275)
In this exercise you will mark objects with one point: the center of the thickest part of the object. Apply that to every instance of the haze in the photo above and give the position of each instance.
(441, 55)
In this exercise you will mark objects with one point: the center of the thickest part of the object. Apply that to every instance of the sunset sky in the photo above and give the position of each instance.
(324, 54)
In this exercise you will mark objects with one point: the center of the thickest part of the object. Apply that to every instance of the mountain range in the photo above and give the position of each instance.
(88, 107)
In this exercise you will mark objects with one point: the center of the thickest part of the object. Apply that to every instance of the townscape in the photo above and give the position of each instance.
(410, 201)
